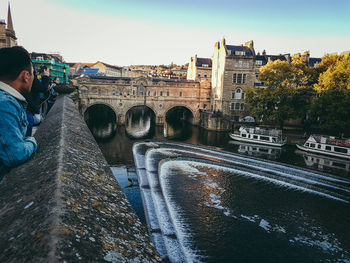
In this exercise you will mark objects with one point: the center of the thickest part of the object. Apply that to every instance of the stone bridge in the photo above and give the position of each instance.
(160, 95)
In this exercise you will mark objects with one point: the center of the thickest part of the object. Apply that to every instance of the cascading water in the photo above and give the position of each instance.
(204, 205)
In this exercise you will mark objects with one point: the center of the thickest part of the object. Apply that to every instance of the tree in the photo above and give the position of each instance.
(289, 92)
(278, 104)
(337, 75)
(331, 110)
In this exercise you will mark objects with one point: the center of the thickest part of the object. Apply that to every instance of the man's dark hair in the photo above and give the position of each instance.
(13, 61)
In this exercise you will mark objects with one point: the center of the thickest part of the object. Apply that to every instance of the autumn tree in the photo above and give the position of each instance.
(288, 93)
(331, 108)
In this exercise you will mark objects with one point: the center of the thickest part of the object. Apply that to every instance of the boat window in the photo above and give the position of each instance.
(312, 145)
(307, 144)
(328, 148)
(255, 136)
(264, 138)
(340, 150)
(244, 135)
(341, 165)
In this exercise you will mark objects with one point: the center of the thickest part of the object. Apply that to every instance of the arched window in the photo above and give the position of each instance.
(238, 94)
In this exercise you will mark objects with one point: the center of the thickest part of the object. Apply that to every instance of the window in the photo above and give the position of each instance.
(244, 135)
(199, 75)
(128, 93)
(239, 53)
(99, 92)
(237, 106)
(258, 62)
(319, 146)
(167, 93)
(242, 95)
(340, 150)
(113, 92)
(238, 94)
(264, 138)
(149, 93)
(242, 106)
(233, 95)
(205, 75)
(239, 78)
(307, 144)
(155, 93)
(232, 106)
(255, 136)
(121, 93)
(328, 148)
(133, 92)
(161, 93)
(312, 145)
(180, 94)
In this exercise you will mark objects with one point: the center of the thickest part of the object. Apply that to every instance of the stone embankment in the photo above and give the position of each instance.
(64, 204)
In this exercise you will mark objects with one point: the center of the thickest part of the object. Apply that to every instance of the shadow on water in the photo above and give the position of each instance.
(101, 120)
(178, 124)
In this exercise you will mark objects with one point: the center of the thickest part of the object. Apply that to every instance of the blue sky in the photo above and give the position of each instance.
(157, 32)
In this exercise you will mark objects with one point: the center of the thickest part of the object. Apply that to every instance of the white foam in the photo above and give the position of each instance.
(265, 225)
(142, 176)
(236, 171)
(165, 223)
(150, 212)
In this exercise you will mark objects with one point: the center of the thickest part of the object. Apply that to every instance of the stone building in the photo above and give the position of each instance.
(199, 69)
(160, 95)
(108, 70)
(233, 74)
(7, 33)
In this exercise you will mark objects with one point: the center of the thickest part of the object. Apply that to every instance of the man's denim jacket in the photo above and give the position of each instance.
(15, 148)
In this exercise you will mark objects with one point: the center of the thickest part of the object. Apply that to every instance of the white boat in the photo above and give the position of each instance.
(259, 135)
(328, 145)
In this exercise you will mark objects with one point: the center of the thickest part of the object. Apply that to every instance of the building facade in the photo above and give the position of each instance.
(233, 74)
(7, 33)
(199, 69)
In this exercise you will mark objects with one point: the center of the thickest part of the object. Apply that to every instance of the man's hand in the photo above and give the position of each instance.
(46, 72)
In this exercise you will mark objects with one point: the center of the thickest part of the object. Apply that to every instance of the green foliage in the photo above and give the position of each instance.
(331, 110)
(278, 104)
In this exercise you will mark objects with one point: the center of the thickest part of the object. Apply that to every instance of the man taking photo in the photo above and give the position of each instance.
(16, 78)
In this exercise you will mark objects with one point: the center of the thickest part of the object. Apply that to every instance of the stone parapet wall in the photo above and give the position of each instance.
(65, 205)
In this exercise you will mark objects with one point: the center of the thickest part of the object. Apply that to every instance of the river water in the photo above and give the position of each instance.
(235, 211)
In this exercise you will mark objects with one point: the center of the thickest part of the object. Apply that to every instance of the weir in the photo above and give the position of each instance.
(191, 192)
(65, 205)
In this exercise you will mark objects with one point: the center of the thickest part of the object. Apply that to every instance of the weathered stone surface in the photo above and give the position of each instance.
(64, 205)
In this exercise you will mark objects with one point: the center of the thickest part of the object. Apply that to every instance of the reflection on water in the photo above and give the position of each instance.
(261, 151)
(324, 163)
(139, 122)
(118, 150)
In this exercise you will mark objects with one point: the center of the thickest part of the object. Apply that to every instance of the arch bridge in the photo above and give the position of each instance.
(160, 95)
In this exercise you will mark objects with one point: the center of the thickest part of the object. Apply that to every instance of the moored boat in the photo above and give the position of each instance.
(328, 145)
(259, 135)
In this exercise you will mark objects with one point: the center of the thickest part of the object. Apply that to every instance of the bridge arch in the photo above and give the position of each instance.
(100, 103)
(188, 111)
